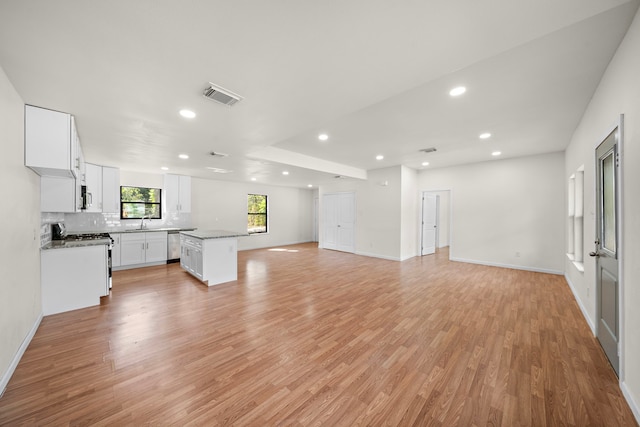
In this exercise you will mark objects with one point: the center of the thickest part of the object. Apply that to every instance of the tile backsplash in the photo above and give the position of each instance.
(99, 222)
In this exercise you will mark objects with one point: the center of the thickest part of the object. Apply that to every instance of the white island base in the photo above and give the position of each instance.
(210, 255)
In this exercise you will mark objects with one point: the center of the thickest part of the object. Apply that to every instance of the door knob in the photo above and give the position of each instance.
(595, 254)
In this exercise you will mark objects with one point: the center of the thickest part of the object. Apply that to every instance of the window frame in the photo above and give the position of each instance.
(265, 214)
(158, 203)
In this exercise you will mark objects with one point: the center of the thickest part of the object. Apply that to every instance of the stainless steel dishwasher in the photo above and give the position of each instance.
(173, 246)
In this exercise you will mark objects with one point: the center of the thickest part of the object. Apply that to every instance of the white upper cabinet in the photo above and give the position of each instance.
(177, 193)
(110, 190)
(94, 187)
(51, 143)
(58, 194)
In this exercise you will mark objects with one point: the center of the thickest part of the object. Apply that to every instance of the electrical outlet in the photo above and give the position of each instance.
(587, 291)
(517, 254)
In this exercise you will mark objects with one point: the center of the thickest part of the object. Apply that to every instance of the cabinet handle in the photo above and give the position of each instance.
(147, 245)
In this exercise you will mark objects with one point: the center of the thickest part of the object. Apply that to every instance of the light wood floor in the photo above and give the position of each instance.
(315, 337)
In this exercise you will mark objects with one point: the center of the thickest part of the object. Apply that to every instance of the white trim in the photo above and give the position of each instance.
(372, 255)
(511, 266)
(271, 245)
(632, 403)
(620, 207)
(6, 376)
(585, 313)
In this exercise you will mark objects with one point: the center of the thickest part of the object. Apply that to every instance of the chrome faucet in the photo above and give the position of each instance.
(142, 221)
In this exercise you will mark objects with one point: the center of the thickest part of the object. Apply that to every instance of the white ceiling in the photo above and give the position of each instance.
(374, 75)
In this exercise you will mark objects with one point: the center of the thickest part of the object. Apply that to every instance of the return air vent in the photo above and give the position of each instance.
(218, 154)
(428, 150)
(221, 95)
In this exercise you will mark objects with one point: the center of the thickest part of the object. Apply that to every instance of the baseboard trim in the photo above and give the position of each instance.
(6, 376)
(585, 313)
(632, 403)
(277, 245)
(513, 267)
(371, 255)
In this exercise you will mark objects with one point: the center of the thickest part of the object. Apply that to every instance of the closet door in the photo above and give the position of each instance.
(330, 221)
(338, 221)
(346, 222)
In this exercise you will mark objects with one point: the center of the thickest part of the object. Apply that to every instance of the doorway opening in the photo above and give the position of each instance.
(435, 221)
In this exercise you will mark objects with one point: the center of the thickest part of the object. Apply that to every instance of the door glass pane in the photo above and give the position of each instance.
(608, 203)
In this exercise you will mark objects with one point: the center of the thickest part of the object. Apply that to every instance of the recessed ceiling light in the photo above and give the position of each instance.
(496, 153)
(183, 156)
(425, 163)
(379, 157)
(323, 137)
(187, 114)
(485, 135)
(310, 185)
(164, 168)
(457, 91)
(254, 179)
(285, 172)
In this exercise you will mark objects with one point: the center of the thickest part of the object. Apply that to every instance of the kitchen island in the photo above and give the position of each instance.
(210, 255)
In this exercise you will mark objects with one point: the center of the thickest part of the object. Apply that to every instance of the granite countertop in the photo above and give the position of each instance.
(213, 234)
(62, 244)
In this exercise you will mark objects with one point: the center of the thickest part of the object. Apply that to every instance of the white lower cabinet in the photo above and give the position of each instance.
(191, 256)
(73, 278)
(143, 248)
(115, 251)
(213, 261)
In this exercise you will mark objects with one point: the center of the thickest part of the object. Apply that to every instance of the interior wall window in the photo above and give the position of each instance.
(257, 220)
(575, 227)
(139, 202)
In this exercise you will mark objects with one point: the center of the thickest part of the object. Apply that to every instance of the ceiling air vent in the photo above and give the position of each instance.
(221, 95)
(428, 150)
(218, 154)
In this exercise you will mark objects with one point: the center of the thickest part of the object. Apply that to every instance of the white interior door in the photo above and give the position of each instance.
(346, 222)
(338, 221)
(606, 250)
(330, 221)
(429, 223)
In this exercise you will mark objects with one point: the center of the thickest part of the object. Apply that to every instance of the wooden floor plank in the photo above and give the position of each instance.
(315, 337)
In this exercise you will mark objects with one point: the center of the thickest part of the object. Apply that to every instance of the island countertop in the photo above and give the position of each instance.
(213, 234)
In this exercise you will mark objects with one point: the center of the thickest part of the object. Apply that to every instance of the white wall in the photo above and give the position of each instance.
(222, 205)
(618, 92)
(444, 213)
(20, 301)
(504, 207)
(378, 211)
(139, 179)
(410, 213)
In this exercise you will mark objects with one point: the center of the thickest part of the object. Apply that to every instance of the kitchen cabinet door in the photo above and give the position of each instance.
(196, 262)
(132, 248)
(156, 246)
(58, 194)
(115, 251)
(184, 195)
(177, 193)
(110, 190)
(48, 142)
(94, 187)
